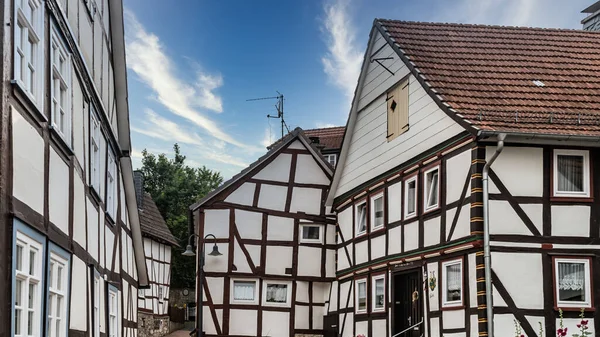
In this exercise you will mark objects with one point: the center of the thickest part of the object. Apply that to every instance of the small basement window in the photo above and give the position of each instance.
(452, 282)
(572, 282)
(311, 233)
(410, 197)
(244, 291)
(571, 173)
(431, 183)
(361, 218)
(377, 211)
(361, 296)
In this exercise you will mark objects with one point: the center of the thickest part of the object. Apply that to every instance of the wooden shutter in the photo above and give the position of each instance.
(403, 111)
(397, 111)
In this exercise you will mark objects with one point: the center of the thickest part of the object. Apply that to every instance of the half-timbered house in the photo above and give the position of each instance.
(468, 183)
(153, 302)
(278, 245)
(71, 255)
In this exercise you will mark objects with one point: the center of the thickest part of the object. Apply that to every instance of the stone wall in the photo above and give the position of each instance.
(150, 325)
(178, 299)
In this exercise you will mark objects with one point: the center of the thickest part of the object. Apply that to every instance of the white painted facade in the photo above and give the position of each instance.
(155, 299)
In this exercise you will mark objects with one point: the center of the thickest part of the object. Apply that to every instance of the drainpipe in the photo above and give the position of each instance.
(486, 237)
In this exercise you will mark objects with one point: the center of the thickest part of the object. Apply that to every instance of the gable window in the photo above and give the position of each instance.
(378, 284)
(60, 86)
(431, 183)
(244, 291)
(361, 296)
(113, 312)
(361, 218)
(410, 197)
(311, 233)
(28, 49)
(452, 283)
(276, 293)
(331, 158)
(94, 150)
(397, 110)
(58, 300)
(571, 173)
(572, 282)
(377, 211)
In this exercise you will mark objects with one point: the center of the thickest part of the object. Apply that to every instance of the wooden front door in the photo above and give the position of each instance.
(330, 325)
(407, 303)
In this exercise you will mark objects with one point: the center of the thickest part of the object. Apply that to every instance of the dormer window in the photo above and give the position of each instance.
(397, 110)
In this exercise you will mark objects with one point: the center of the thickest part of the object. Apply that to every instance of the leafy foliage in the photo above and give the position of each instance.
(174, 186)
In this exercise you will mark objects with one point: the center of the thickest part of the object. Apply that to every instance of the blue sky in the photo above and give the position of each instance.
(192, 64)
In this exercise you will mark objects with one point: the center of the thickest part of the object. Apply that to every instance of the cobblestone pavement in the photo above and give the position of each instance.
(179, 333)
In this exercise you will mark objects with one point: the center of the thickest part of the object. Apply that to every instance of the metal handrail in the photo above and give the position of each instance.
(411, 327)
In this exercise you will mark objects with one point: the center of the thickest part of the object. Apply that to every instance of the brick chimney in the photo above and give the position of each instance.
(138, 181)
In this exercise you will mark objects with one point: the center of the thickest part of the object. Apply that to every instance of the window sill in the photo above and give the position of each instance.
(575, 308)
(431, 210)
(571, 198)
(30, 101)
(360, 235)
(410, 217)
(378, 229)
(450, 307)
(59, 140)
(109, 219)
(95, 196)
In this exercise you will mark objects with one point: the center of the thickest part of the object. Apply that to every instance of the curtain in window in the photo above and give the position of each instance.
(277, 293)
(243, 291)
(379, 293)
(453, 282)
(411, 197)
(362, 295)
(571, 276)
(570, 173)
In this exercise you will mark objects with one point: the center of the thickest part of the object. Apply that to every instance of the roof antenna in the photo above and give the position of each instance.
(278, 107)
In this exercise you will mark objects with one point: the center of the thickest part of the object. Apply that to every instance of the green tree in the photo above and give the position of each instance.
(174, 186)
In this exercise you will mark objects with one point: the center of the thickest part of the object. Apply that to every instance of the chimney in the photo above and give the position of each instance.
(592, 21)
(138, 181)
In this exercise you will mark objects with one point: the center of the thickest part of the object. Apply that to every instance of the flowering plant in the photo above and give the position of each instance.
(582, 326)
(561, 331)
(518, 329)
(360, 335)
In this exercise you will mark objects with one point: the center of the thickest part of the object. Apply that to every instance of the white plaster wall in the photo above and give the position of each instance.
(434, 326)
(432, 269)
(379, 327)
(333, 297)
(109, 244)
(504, 219)
(571, 325)
(243, 195)
(208, 323)
(239, 259)
(347, 326)
(345, 223)
(92, 234)
(79, 120)
(317, 317)
(79, 220)
(78, 295)
(28, 163)
(394, 238)
(453, 319)
(504, 325)
(342, 262)
(254, 252)
(330, 237)
(378, 247)
(309, 261)
(527, 295)
(297, 145)
(411, 236)
(216, 221)
(278, 258)
(431, 232)
(473, 281)
(276, 324)
(243, 322)
(272, 197)
(59, 192)
(394, 202)
(248, 224)
(330, 263)
(277, 170)
(344, 295)
(570, 221)
(301, 321)
(475, 325)
(457, 169)
(362, 252)
(306, 200)
(529, 160)
(535, 214)
(215, 284)
(302, 291)
(309, 172)
(279, 228)
(362, 328)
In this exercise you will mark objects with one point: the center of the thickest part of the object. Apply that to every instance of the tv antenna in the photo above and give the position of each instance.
(278, 107)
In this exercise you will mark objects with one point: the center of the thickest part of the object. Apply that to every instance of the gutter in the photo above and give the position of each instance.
(530, 136)
(486, 237)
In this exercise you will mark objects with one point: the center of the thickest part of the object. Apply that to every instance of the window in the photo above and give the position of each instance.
(397, 110)
(29, 48)
(276, 293)
(94, 150)
(331, 158)
(431, 183)
(311, 233)
(361, 296)
(410, 197)
(113, 312)
(244, 291)
(452, 283)
(378, 284)
(111, 186)
(28, 280)
(361, 218)
(58, 286)
(60, 86)
(572, 282)
(96, 299)
(160, 294)
(141, 293)
(377, 211)
(571, 173)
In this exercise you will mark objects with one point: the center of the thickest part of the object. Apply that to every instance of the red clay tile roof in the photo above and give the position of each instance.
(485, 74)
(152, 223)
(330, 137)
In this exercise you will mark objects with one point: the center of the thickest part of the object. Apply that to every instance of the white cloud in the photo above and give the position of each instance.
(147, 58)
(343, 59)
(268, 139)
(321, 125)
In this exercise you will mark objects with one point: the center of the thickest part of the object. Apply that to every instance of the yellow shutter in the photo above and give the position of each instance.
(403, 111)
(392, 125)
(397, 111)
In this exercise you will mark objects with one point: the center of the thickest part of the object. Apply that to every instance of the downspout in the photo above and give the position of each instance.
(486, 237)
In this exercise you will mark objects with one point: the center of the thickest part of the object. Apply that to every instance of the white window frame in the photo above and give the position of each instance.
(445, 302)
(29, 241)
(94, 149)
(328, 158)
(373, 211)
(233, 300)
(111, 185)
(357, 217)
(288, 299)
(96, 303)
(160, 293)
(427, 192)
(58, 290)
(408, 215)
(113, 312)
(35, 57)
(302, 239)
(356, 298)
(65, 81)
(374, 280)
(588, 280)
(586, 173)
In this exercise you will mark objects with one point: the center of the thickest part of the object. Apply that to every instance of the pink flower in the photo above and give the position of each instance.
(579, 325)
(561, 332)
(584, 322)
